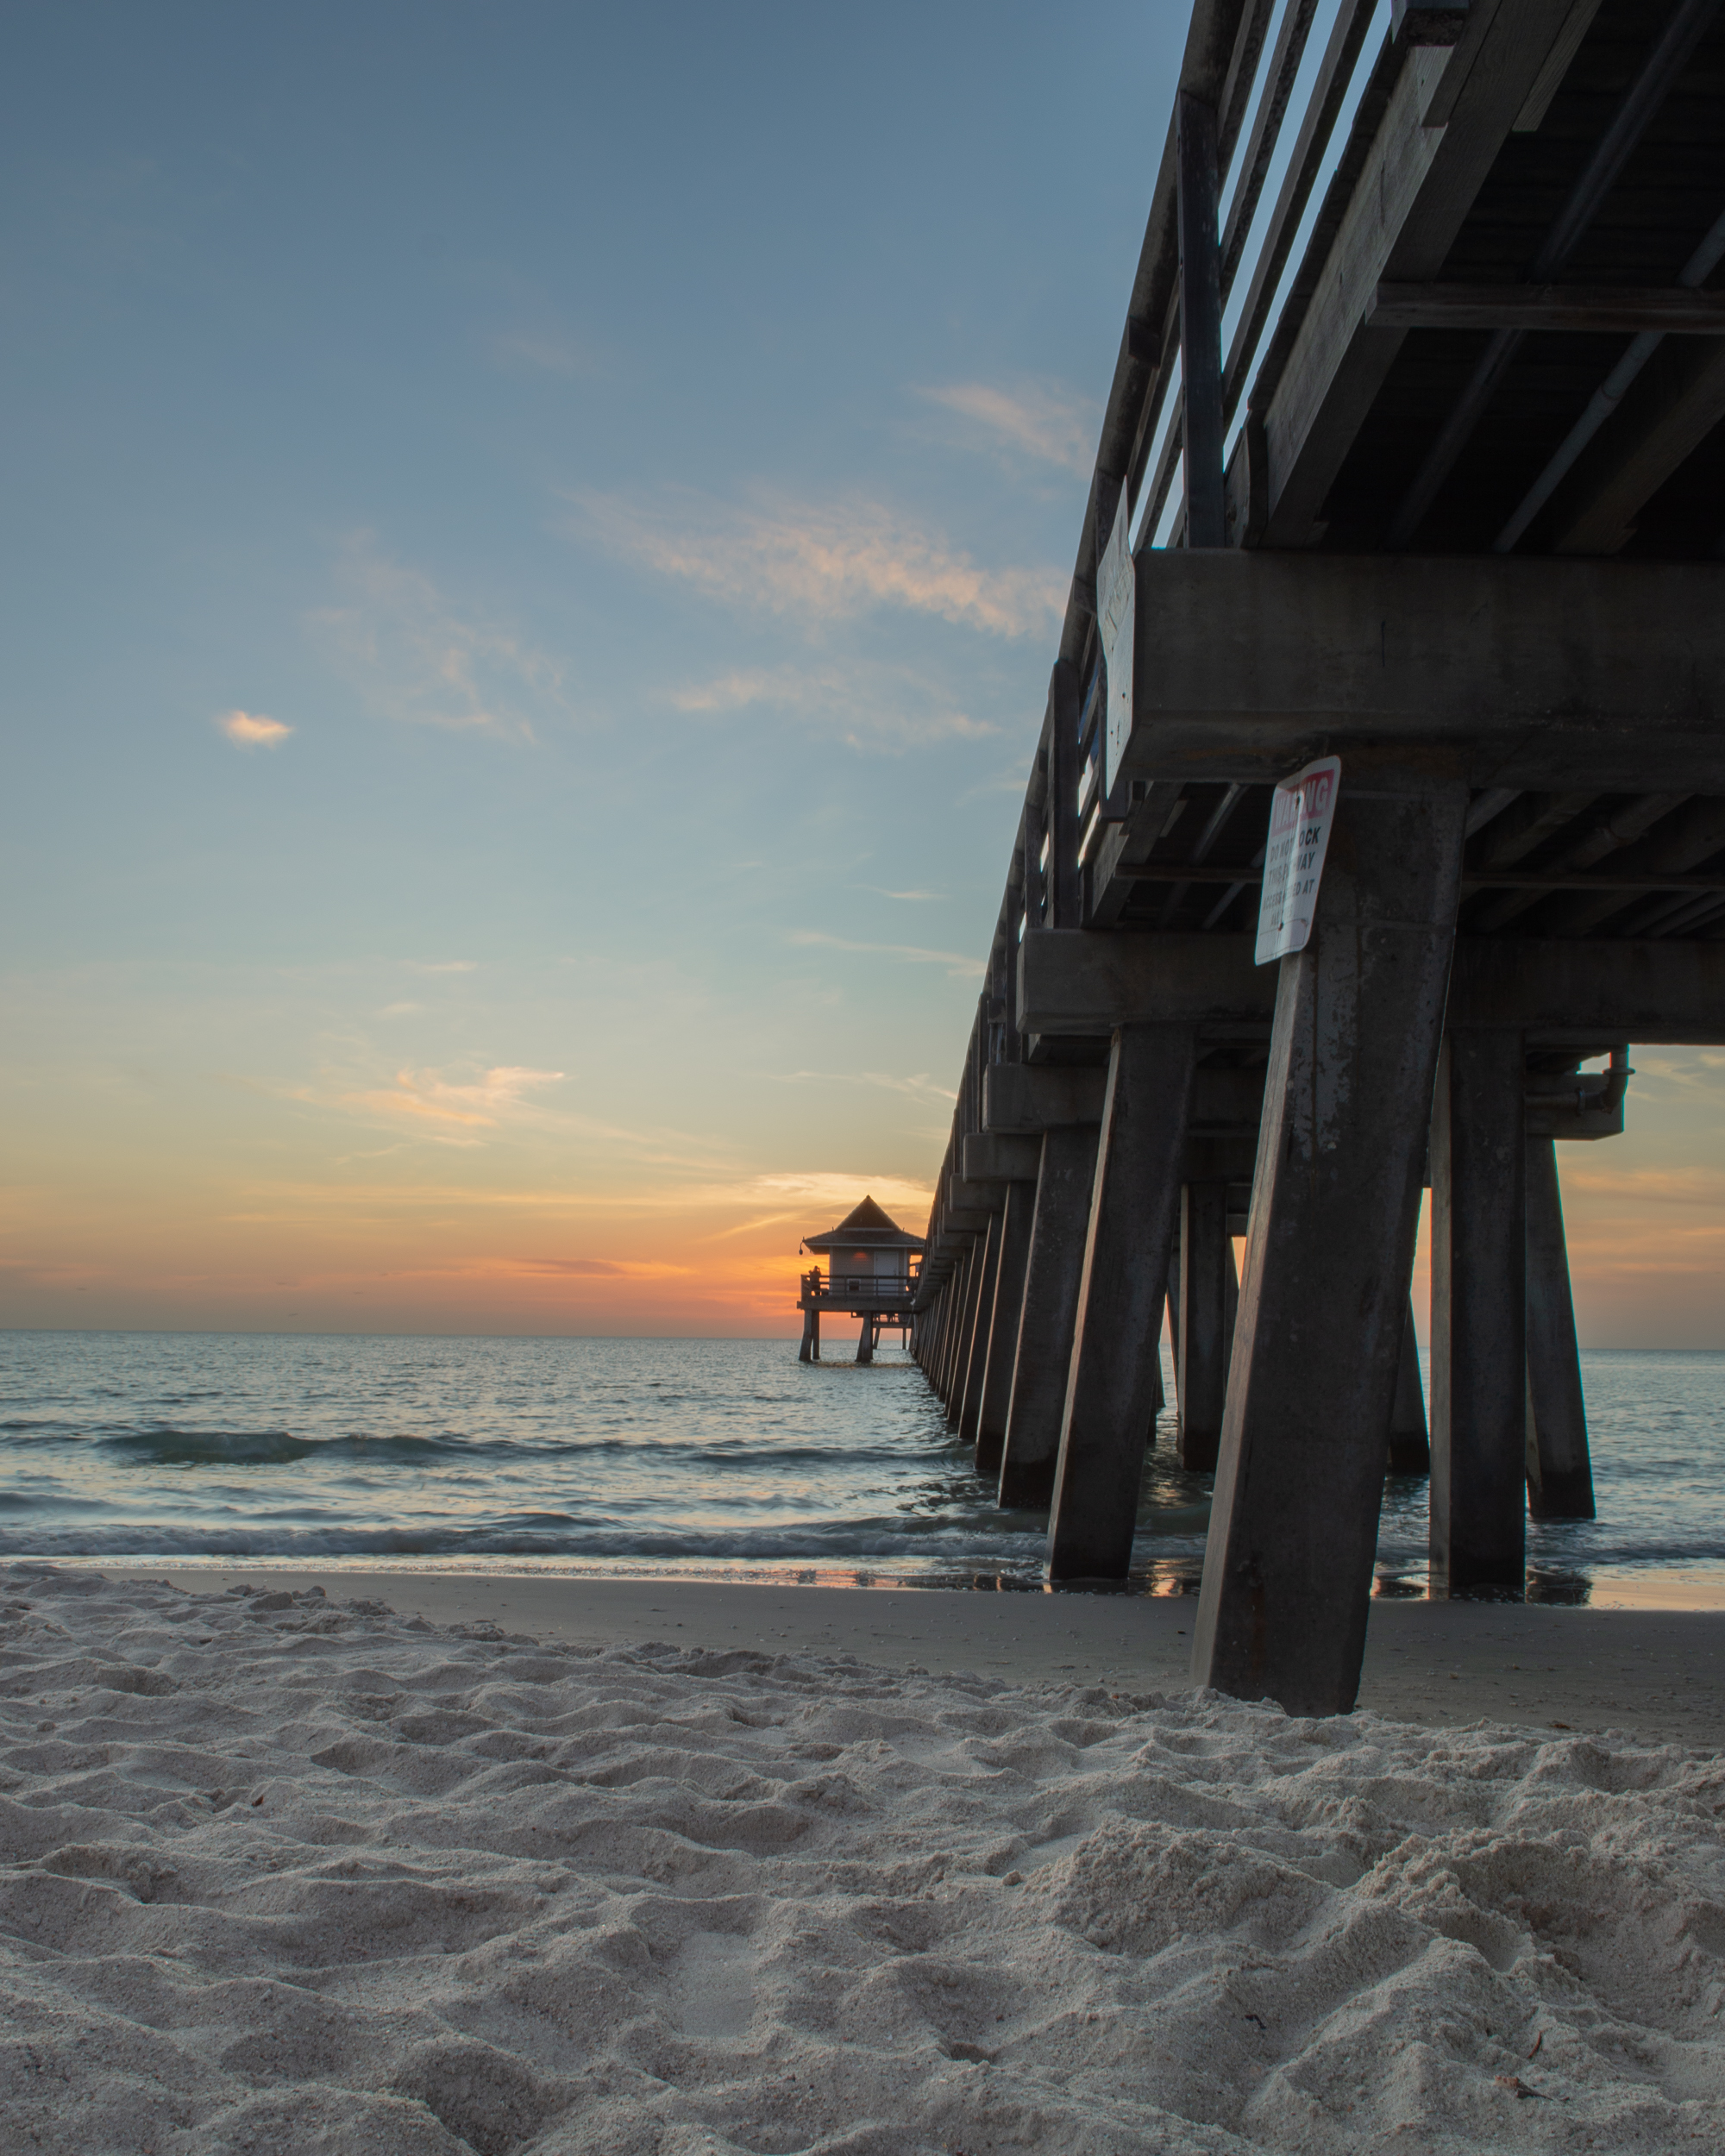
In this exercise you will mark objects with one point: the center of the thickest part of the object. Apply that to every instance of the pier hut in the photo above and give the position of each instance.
(1409, 473)
(873, 1268)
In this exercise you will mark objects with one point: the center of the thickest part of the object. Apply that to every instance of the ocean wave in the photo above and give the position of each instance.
(263, 1448)
(171, 1446)
(827, 1542)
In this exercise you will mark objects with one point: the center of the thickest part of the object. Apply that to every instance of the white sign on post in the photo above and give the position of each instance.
(1117, 618)
(1301, 810)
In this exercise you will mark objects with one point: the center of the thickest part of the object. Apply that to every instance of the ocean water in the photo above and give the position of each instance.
(710, 1456)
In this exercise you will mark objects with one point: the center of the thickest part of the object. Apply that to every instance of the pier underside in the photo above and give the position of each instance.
(1447, 508)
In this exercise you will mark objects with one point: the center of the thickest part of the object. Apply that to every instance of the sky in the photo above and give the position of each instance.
(534, 539)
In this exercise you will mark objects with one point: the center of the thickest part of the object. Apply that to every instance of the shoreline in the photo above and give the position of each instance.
(1657, 1674)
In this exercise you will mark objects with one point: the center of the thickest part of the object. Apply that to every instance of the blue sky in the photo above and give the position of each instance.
(637, 455)
(535, 538)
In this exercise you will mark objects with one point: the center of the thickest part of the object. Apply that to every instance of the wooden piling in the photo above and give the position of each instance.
(1559, 1468)
(1335, 1203)
(1003, 1329)
(964, 1321)
(950, 1296)
(1043, 1360)
(976, 1358)
(1478, 1508)
(1117, 1344)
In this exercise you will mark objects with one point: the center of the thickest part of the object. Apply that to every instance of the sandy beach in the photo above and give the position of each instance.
(414, 1864)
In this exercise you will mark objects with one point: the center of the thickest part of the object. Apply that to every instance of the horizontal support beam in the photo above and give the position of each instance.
(1224, 1102)
(1021, 1097)
(1612, 309)
(1074, 981)
(1242, 876)
(999, 1157)
(960, 1220)
(1589, 995)
(1509, 672)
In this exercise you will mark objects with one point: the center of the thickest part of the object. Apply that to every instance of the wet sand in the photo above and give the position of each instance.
(1657, 1674)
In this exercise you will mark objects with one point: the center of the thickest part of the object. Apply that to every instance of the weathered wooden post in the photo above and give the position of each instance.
(976, 1357)
(1335, 1201)
(964, 1283)
(1003, 1325)
(1117, 1340)
(1478, 1505)
(1043, 1360)
(1559, 1468)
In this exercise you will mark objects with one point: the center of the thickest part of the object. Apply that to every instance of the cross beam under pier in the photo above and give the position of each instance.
(1591, 993)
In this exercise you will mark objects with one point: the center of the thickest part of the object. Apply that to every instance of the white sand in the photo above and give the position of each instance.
(281, 1875)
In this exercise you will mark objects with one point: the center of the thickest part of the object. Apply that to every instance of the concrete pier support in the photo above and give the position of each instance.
(1003, 1329)
(976, 1356)
(953, 1318)
(1410, 1445)
(1478, 1507)
(865, 1342)
(950, 1295)
(1335, 1202)
(1207, 1297)
(1043, 1360)
(965, 1313)
(1559, 1468)
(811, 1347)
(1117, 1344)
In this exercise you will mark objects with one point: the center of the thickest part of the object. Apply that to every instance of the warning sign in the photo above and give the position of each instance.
(1301, 810)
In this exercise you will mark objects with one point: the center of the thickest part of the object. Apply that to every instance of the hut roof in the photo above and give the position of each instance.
(867, 1228)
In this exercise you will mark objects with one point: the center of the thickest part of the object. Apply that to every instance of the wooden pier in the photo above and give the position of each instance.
(1447, 504)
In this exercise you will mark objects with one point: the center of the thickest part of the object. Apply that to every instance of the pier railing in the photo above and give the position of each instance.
(882, 1292)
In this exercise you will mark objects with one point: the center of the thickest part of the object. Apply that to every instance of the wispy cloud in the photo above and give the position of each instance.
(251, 730)
(867, 706)
(1693, 1186)
(443, 965)
(1009, 779)
(960, 967)
(1036, 419)
(907, 1202)
(920, 1086)
(427, 1096)
(415, 657)
(908, 896)
(822, 562)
